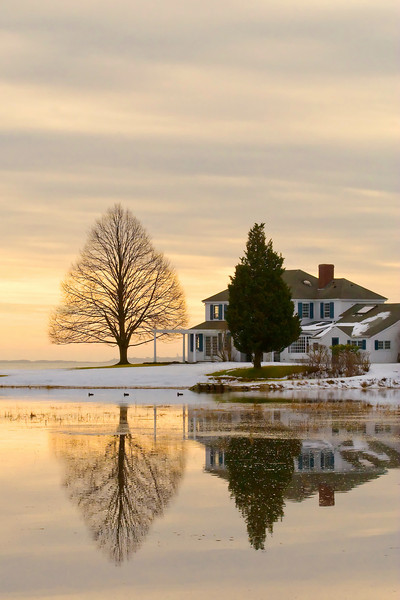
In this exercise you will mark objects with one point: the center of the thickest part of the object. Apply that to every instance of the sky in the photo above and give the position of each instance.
(202, 118)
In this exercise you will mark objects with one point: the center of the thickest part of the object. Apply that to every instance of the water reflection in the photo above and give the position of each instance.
(259, 471)
(122, 466)
(291, 454)
(120, 482)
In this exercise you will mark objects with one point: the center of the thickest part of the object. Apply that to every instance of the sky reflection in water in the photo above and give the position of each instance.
(229, 499)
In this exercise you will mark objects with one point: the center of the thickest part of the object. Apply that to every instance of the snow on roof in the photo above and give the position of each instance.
(316, 326)
(363, 326)
(317, 329)
(327, 329)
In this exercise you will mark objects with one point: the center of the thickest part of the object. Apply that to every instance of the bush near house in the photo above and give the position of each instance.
(343, 360)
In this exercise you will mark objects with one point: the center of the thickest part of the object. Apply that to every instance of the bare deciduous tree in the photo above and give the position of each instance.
(119, 290)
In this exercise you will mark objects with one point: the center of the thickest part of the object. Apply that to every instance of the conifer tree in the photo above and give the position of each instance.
(260, 314)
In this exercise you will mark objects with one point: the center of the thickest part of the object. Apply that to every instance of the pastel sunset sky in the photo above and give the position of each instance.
(202, 118)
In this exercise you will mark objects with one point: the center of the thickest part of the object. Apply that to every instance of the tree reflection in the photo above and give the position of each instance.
(121, 483)
(259, 471)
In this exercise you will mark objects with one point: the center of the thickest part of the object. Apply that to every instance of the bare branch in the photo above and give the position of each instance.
(119, 290)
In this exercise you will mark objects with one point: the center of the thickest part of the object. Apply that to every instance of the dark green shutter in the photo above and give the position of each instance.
(376, 345)
(225, 309)
(311, 310)
(364, 344)
(331, 310)
(211, 312)
(300, 310)
(321, 310)
(220, 312)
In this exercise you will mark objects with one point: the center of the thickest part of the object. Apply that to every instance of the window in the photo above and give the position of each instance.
(327, 310)
(211, 345)
(359, 343)
(300, 346)
(216, 312)
(382, 345)
(305, 310)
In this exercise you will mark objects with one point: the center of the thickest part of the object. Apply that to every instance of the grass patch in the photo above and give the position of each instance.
(135, 365)
(268, 372)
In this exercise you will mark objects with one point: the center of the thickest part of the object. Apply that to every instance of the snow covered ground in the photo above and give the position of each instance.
(178, 376)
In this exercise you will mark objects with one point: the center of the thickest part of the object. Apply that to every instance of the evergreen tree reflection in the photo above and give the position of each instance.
(259, 471)
(121, 483)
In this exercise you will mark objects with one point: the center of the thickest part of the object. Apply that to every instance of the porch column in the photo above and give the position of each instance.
(155, 346)
(183, 348)
(194, 347)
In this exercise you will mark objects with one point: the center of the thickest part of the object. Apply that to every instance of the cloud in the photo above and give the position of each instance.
(202, 118)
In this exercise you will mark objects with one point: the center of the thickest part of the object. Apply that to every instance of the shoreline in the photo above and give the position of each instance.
(180, 376)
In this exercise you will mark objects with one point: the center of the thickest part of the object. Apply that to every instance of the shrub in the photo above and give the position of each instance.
(320, 359)
(342, 361)
(348, 361)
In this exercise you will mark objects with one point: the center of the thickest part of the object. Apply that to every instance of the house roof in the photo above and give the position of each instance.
(220, 297)
(305, 286)
(212, 325)
(359, 322)
(347, 290)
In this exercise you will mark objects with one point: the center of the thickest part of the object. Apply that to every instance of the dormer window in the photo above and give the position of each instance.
(216, 312)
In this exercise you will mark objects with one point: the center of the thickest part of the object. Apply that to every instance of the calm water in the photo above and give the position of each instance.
(288, 501)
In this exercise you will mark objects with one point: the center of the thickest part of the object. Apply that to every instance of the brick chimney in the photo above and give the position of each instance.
(325, 275)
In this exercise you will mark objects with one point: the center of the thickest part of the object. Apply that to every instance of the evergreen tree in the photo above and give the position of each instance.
(260, 314)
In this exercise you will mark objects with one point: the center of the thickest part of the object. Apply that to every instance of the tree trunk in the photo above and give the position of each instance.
(257, 360)
(123, 355)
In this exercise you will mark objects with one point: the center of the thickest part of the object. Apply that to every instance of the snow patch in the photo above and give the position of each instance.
(362, 327)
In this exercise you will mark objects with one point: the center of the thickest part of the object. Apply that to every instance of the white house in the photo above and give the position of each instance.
(371, 327)
(331, 310)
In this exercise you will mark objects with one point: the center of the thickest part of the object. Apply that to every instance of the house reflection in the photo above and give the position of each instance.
(122, 476)
(120, 481)
(278, 455)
